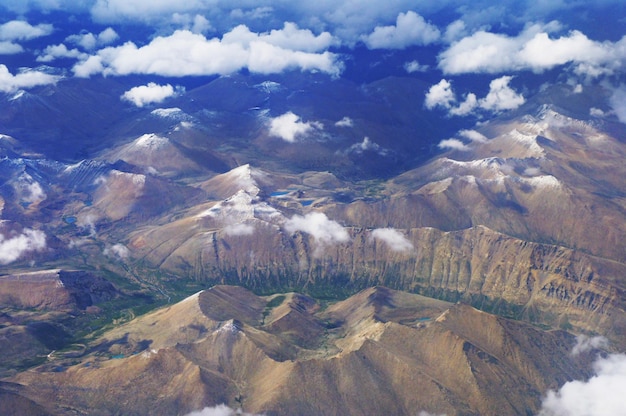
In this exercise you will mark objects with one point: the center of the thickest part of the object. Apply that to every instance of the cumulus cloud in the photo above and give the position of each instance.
(52, 52)
(317, 224)
(117, 250)
(367, 145)
(532, 49)
(586, 344)
(440, 95)
(220, 410)
(601, 395)
(239, 229)
(345, 122)
(21, 30)
(473, 135)
(14, 245)
(194, 23)
(289, 127)
(18, 30)
(186, 53)
(501, 97)
(617, 101)
(10, 48)
(89, 41)
(29, 190)
(415, 66)
(410, 29)
(393, 238)
(149, 94)
(453, 144)
(10, 83)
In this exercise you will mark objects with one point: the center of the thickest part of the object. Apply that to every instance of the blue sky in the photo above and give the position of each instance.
(479, 57)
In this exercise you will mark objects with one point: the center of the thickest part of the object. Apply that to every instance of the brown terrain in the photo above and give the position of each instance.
(322, 285)
(378, 352)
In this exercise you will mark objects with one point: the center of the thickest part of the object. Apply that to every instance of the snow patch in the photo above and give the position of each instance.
(542, 181)
(241, 207)
(527, 140)
(151, 141)
(174, 113)
(268, 86)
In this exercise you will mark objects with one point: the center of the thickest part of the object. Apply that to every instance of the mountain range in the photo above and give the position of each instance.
(334, 243)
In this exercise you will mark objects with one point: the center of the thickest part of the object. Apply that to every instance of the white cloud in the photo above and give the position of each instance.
(453, 144)
(345, 122)
(367, 145)
(30, 191)
(219, 410)
(10, 83)
(473, 135)
(289, 127)
(89, 41)
(415, 66)
(239, 229)
(601, 395)
(117, 250)
(500, 97)
(149, 94)
(194, 23)
(586, 344)
(317, 224)
(466, 107)
(20, 30)
(53, 52)
(14, 245)
(455, 31)
(532, 49)
(596, 112)
(617, 101)
(410, 29)
(91, 66)
(440, 95)
(10, 48)
(186, 53)
(393, 238)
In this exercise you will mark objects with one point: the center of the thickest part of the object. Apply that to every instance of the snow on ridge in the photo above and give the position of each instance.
(542, 181)
(490, 163)
(527, 140)
(173, 113)
(151, 141)
(136, 178)
(268, 86)
(245, 177)
(241, 207)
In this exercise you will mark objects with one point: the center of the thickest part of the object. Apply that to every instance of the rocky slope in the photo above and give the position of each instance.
(226, 345)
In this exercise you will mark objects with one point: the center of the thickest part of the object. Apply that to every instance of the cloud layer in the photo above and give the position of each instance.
(15, 245)
(149, 94)
(289, 127)
(601, 395)
(394, 239)
(10, 83)
(317, 224)
(410, 29)
(184, 53)
(536, 49)
(501, 97)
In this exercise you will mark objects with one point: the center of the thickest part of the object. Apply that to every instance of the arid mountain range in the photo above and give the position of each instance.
(355, 269)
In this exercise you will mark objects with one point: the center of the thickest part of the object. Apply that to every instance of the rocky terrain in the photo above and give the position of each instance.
(360, 257)
(288, 354)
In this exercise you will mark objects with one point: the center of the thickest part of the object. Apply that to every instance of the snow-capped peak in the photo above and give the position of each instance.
(151, 141)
